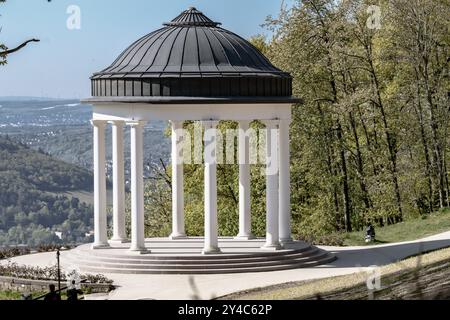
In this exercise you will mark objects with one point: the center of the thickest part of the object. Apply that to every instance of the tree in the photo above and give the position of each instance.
(363, 142)
(369, 142)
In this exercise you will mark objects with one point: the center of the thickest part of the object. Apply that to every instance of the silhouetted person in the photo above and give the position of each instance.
(52, 295)
(72, 294)
(370, 232)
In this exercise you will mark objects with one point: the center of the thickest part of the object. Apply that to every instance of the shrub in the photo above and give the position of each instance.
(11, 252)
(7, 253)
(331, 239)
(47, 273)
(52, 247)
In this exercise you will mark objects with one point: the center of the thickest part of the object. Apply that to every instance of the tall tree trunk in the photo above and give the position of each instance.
(359, 164)
(331, 170)
(359, 158)
(428, 165)
(326, 37)
(368, 141)
(345, 187)
(437, 152)
(391, 141)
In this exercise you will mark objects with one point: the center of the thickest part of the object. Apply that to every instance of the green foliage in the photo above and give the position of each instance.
(362, 145)
(412, 229)
(36, 168)
(10, 295)
(30, 208)
(260, 43)
(369, 143)
(13, 252)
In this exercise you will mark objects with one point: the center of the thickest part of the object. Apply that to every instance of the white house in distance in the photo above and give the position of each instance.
(192, 70)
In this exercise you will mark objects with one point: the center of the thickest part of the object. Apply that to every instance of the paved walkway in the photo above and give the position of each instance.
(174, 287)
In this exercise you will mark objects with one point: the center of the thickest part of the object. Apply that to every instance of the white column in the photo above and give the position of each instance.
(272, 200)
(211, 231)
(245, 222)
(119, 234)
(178, 231)
(285, 183)
(137, 187)
(100, 218)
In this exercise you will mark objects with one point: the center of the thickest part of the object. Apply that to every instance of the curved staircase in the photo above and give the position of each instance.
(184, 257)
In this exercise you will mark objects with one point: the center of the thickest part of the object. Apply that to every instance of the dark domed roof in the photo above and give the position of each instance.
(191, 56)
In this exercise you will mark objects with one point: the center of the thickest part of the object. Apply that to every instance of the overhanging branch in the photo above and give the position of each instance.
(7, 52)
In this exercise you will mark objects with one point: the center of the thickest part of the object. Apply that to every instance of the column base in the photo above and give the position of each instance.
(244, 237)
(119, 241)
(272, 247)
(286, 240)
(177, 236)
(139, 251)
(100, 246)
(213, 250)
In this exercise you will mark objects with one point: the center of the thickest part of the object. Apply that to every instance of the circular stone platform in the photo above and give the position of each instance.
(184, 257)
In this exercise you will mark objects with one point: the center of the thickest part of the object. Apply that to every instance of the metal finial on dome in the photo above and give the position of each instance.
(192, 17)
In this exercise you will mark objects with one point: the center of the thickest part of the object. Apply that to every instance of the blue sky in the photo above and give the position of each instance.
(61, 64)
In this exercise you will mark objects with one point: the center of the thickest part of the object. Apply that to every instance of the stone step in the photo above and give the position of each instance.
(243, 263)
(327, 259)
(213, 259)
(175, 255)
(184, 257)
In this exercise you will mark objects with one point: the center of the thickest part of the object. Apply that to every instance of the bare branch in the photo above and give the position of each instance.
(7, 52)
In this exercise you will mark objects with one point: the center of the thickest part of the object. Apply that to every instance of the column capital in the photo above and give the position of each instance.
(177, 124)
(210, 124)
(118, 123)
(244, 123)
(98, 123)
(136, 123)
(271, 124)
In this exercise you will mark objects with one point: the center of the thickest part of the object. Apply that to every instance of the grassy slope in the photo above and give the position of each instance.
(88, 196)
(409, 230)
(420, 277)
(10, 295)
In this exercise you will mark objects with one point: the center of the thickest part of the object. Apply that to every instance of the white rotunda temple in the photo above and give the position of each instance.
(192, 70)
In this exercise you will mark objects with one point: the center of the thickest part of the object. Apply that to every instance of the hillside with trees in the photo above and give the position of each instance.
(32, 204)
(370, 142)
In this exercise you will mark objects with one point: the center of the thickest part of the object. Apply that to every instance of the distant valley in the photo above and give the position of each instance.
(34, 202)
(61, 128)
(46, 169)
